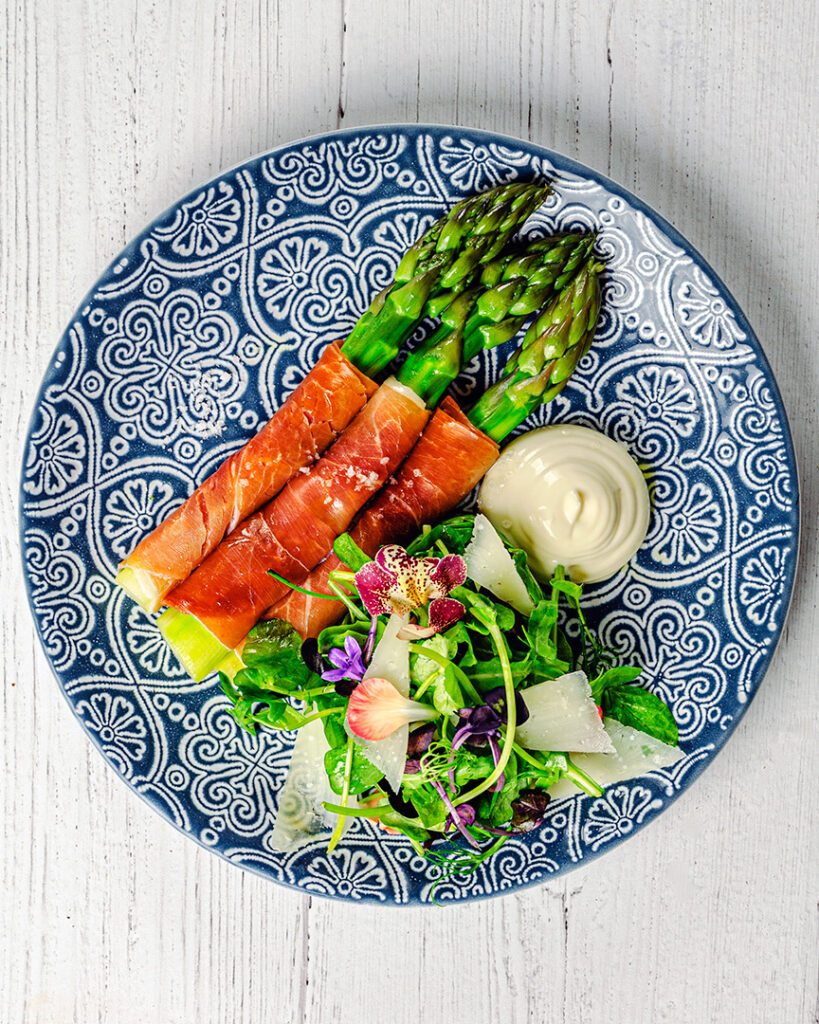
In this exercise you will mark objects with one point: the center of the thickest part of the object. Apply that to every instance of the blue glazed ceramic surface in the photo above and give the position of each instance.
(199, 330)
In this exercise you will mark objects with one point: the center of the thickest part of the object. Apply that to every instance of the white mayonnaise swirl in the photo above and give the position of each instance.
(568, 496)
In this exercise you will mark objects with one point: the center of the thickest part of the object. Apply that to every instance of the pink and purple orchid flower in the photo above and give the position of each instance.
(396, 582)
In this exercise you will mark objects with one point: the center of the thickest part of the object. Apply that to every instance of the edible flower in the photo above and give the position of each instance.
(376, 709)
(481, 726)
(487, 718)
(349, 665)
(396, 582)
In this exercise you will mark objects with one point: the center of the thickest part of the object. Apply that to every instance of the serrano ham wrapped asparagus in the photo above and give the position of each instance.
(290, 535)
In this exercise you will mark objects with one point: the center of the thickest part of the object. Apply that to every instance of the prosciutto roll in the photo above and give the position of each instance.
(290, 535)
(441, 470)
(311, 419)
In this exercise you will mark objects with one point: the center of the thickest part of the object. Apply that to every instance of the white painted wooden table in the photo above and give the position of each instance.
(111, 110)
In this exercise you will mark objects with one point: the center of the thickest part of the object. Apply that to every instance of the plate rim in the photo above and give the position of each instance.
(566, 164)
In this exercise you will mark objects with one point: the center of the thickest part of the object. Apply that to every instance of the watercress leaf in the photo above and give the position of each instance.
(363, 773)
(447, 696)
(499, 805)
(482, 608)
(533, 588)
(334, 636)
(534, 778)
(542, 634)
(463, 641)
(334, 731)
(565, 653)
(260, 682)
(505, 617)
(347, 551)
(228, 687)
(242, 708)
(412, 782)
(431, 808)
(423, 668)
(409, 826)
(567, 587)
(612, 677)
(642, 710)
(278, 714)
(541, 629)
(267, 639)
(486, 674)
(470, 766)
(276, 667)
(334, 724)
(455, 534)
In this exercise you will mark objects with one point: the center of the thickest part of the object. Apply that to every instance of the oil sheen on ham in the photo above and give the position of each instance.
(570, 496)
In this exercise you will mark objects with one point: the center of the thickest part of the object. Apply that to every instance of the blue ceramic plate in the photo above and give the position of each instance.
(199, 329)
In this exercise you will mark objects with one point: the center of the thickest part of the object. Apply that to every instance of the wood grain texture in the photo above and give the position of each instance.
(109, 112)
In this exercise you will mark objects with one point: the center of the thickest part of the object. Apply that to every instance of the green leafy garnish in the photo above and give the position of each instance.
(363, 773)
(643, 710)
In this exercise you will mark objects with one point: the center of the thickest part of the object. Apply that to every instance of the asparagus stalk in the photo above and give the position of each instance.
(551, 349)
(516, 286)
(443, 260)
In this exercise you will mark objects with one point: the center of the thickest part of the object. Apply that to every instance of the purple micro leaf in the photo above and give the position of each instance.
(528, 809)
(420, 739)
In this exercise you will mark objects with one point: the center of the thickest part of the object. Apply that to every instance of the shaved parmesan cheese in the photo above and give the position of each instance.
(563, 716)
(302, 819)
(390, 661)
(635, 754)
(490, 565)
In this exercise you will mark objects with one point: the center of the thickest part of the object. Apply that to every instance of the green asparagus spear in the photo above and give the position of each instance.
(551, 349)
(517, 286)
(444, 259)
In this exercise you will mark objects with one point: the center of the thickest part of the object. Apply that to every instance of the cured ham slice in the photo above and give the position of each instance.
(232, 588)
(450, 458)
(307, 423)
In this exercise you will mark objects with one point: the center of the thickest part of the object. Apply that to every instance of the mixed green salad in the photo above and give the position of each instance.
(456, 698)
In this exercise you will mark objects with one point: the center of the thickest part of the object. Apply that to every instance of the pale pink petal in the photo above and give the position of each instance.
(376, 709)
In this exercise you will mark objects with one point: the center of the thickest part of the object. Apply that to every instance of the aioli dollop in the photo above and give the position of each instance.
(568, 496)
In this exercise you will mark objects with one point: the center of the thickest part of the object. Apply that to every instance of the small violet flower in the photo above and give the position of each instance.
(349, 664)
(396, 582)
